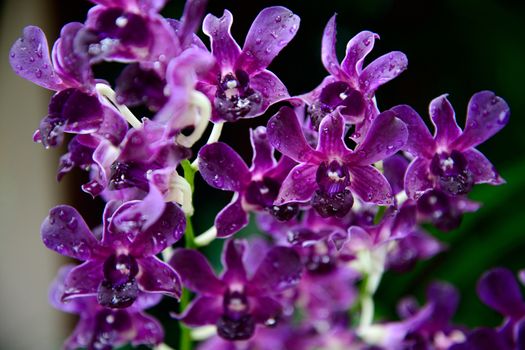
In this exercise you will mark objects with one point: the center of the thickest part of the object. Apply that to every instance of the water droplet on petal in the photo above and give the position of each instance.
(278, 19)
(38, 73)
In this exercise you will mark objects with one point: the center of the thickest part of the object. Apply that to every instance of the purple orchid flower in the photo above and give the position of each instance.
(142, 157)
(122, 263)
(350, 86)
(428, 327)
(144, 83)
(255, 188)
(448, 161)
(242, 87)
(76, 108)
(331, 174)
(499, 289)
(236, 301)
(100, 328)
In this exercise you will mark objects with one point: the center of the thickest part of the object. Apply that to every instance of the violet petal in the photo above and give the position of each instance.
(499, 289)
(273, 28)
(299, 185)
(148, 330)
(486, 115)
(156, 276)
(202, 311)
(328, 52)
(223, 46)
(417, 178)
(481, 168)
(83, 280)
(65, 231)
(443, 117)
(331, 134)
(232, 256)
(167, 230)
(271, 88)
(386, 136)
(286, 135)
(280, 269)
(265, 310)
(369, 184)
(262, 150)
(29, 58)
(382, 70)
(420, 142)
(356, 50)
(222, 168)
(195, 272)
(231, 219)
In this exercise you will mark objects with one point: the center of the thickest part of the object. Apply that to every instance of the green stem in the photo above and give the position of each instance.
(189, 237)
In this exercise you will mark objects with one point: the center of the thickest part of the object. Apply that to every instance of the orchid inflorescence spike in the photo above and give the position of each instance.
(338, 188)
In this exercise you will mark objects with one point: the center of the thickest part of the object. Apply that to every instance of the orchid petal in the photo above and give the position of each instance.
(222, 168)
(270, 32)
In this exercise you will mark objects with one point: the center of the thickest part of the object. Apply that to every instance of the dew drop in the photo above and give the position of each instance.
(273, 34)
(258, 41)
(12, 54)
(38, 73)
(278, 19)
(366, 42)
(268, 50)
(31, 59)
(293, 29)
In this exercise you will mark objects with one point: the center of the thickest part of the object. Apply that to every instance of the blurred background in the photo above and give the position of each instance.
(454, 47)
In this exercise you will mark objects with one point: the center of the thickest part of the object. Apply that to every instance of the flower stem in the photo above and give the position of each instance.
(189, 236)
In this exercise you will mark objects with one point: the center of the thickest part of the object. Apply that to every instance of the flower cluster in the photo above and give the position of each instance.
(339, 188)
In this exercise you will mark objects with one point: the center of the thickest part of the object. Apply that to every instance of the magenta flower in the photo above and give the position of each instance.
(350, 86)
(448, 161)
(255, 188)
(236, 301)
(122, 262)
(241, 87)
(100, 328)
(331, 174)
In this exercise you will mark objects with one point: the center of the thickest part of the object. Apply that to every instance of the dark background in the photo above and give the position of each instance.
(453, 46)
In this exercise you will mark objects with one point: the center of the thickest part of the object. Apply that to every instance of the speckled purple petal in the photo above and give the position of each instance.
(223, 46)
(499, 289)
(195, 272)
(148, 330)
(286, 135)
(83, 113)
(328, 52)
(420, 142)
(394, 168)
(155, 276)
(232, 261)
(444, 120)
(299, 185)
(280, 269)
(71, 65)
(231, 219)
(273, 28)
(265, 310)
(382, 70)
(83, 280)
(271, 88)
(331, 134)
(191, 20)
(164, 232)
(105, 154)
(369, 184)
(386, 136)
(221, 167)
(136, 218)
(356, 50)
(202, 311)
(29, 58)
(56, 291)
(417, 178)
(486, 115)
(481, 168)
(262, 150)
(483, 339)
(65, 231)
